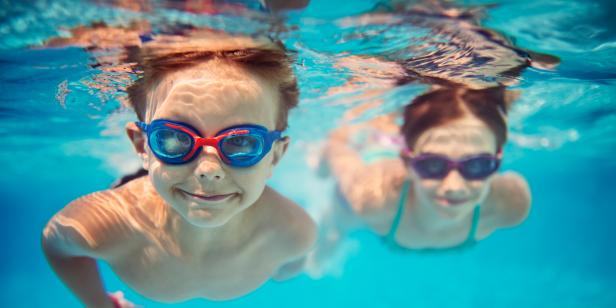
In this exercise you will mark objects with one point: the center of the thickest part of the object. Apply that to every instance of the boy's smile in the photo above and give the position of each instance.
(209, 198)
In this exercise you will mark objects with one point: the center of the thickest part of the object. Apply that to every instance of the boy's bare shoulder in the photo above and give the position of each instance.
(100, 224)
(293, 228)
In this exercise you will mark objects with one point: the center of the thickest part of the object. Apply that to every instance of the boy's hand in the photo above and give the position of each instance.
(118, 298)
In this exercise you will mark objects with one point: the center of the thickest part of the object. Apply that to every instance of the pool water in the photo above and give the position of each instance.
(63, 139)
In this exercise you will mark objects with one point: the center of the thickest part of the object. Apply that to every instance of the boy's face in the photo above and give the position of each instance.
(206, 191)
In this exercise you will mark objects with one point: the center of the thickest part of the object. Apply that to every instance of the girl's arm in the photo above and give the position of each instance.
(366, 187)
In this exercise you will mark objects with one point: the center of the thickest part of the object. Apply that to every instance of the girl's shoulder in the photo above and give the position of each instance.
(509, 200)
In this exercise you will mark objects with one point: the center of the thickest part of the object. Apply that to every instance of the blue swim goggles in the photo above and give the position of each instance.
(177, 143)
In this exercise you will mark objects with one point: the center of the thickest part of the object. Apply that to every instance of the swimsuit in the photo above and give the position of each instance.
(374, 145)
(390, 238)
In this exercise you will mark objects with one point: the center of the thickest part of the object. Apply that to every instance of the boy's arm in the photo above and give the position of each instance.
(80, 274)
(87, 229)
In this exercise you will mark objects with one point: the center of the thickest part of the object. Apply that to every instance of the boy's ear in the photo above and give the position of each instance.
(137, 138)
(280, 147)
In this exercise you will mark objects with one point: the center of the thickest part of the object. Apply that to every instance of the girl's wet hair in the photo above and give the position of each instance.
(270, 61)
(445, 104)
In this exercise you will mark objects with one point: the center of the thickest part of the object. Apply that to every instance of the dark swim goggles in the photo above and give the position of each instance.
(477, 167)
(177, 143)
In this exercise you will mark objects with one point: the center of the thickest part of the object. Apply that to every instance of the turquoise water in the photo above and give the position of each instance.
(61, 144)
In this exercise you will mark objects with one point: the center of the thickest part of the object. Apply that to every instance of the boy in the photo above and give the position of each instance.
(202, 223)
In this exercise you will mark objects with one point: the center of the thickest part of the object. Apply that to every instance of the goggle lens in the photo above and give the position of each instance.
(242, 147)
(437, 167)
(432, 167)
(170, 143)
(478, 167)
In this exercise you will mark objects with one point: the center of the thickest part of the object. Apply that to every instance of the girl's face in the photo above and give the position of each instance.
(454, 196)
(207, 192)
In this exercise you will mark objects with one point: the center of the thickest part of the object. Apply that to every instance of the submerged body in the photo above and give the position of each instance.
(426, 182)
(433, 214)
(203, 227)
(136, 233)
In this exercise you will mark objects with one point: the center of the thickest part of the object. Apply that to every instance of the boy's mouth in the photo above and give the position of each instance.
(208, 197)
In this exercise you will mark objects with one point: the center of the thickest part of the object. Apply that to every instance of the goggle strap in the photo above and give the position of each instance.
(406, 152)
(142, 126)
(274, 135)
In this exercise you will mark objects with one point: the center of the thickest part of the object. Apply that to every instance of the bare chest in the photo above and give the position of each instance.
(172, 276)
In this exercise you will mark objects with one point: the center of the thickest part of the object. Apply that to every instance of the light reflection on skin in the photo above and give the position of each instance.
(215, 105)
(164, 226)
(463, 137)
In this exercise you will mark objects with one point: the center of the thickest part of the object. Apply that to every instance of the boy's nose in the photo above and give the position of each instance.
(209, 165)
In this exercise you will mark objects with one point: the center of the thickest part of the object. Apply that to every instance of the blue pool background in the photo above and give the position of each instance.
(563, 141)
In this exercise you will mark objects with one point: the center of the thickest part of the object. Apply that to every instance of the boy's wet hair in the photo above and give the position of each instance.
(271, 61)
(442, 105)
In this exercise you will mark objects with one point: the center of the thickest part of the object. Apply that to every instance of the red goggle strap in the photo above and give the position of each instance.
(200, 141)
